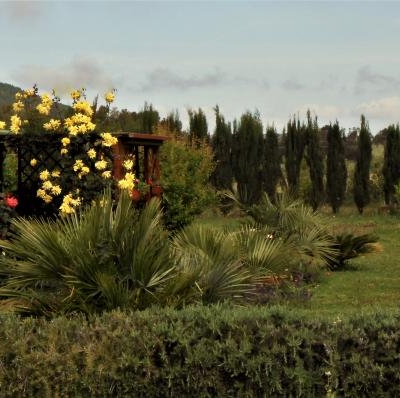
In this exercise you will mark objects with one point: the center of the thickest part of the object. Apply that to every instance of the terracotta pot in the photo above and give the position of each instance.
(156, 190)
(136, 195)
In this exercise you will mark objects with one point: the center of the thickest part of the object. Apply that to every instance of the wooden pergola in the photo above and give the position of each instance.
(145, 148)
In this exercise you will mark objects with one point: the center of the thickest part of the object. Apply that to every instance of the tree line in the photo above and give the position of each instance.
(257, 160)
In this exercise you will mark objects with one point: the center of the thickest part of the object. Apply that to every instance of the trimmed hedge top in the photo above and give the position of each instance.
(215, 351)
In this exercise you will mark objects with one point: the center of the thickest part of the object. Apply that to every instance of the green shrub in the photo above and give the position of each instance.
(10, 178)
(212, 351)
(186, 172)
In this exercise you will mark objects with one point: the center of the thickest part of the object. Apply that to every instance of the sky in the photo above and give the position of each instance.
(339, 59)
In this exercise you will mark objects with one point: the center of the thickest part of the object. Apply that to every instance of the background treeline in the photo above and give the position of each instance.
(320, 164)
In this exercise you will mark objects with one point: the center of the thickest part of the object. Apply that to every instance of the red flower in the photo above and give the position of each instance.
(11, 201)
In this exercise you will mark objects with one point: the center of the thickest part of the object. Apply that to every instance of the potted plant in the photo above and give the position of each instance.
(156, 189)
(140, 191)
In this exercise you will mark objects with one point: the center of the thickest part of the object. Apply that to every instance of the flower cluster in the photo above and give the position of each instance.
(70, 203)
(108, 139)
(49, 188)
(45, 105)
(85, 161)
(8, 203)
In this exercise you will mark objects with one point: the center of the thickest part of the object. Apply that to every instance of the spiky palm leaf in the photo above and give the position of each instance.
(260, 249)
(209, 257)
(97, 259)
(350, 246)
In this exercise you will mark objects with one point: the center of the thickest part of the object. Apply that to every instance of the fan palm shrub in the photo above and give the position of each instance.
(98, 259)
(209, 258)
(304, 238)
(350, 246)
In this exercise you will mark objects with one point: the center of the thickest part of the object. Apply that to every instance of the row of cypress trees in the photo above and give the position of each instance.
(244, 154)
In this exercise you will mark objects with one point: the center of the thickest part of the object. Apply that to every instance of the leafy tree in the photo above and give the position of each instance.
(294, 149)
(315, 162)
(198, 128)
(172, 122)
(361, 173)
(272, 162)
(391, 164)
(247, 157)
(336, 171)
(148, 118)
(186, 171)
(221, 143)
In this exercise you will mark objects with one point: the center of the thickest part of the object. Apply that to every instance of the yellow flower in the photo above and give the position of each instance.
(85, 170)
(125, 184)
(18, 96)
(44, 175)
(18, 106)
(16, 123)
(106, 174)
(78, 165)
(128, 164)
(44, 107)
(47, 185)
(91, 153)
(101, 164)
(56, 190)
(109, 97)
(55, 173)
(83, 107)
(68, 204)
(33, 162)
(64, 151)
(108, 139)
(40, 193)
(73, 130)
(129, 176)
(52, 124)
(90, 126)
(2, 125)
(76, 94)
(65, 141)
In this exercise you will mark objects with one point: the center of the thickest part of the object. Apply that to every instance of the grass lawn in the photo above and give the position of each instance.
(373, 282)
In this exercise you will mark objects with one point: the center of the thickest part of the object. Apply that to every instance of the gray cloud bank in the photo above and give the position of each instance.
(81, 72)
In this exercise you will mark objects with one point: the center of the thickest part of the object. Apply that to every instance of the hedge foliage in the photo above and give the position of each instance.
(214, 351)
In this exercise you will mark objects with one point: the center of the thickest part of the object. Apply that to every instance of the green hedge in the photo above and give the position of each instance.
(201, 352)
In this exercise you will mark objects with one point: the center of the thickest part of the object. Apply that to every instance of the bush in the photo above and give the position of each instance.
(202, 352)
(186, 172)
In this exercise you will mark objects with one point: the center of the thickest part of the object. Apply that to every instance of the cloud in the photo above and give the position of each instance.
(292, 85)
(367, 79)
(164, 78)
(81, 72)
(387, 109)
(23, 11)
(248, 81)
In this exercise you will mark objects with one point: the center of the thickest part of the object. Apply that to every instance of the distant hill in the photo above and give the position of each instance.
(7, 98)
(7, 93)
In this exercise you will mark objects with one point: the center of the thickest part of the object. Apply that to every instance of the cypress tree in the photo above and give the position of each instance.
(361, 173)
(294, 149)
(391, 163)
(272, 162)
(198, 128)
(336, 172)
(315, 162)
(247, 157)
(221, 143)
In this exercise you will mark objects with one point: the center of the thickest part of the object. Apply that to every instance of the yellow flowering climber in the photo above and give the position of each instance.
(2, 125)
(108, 139)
